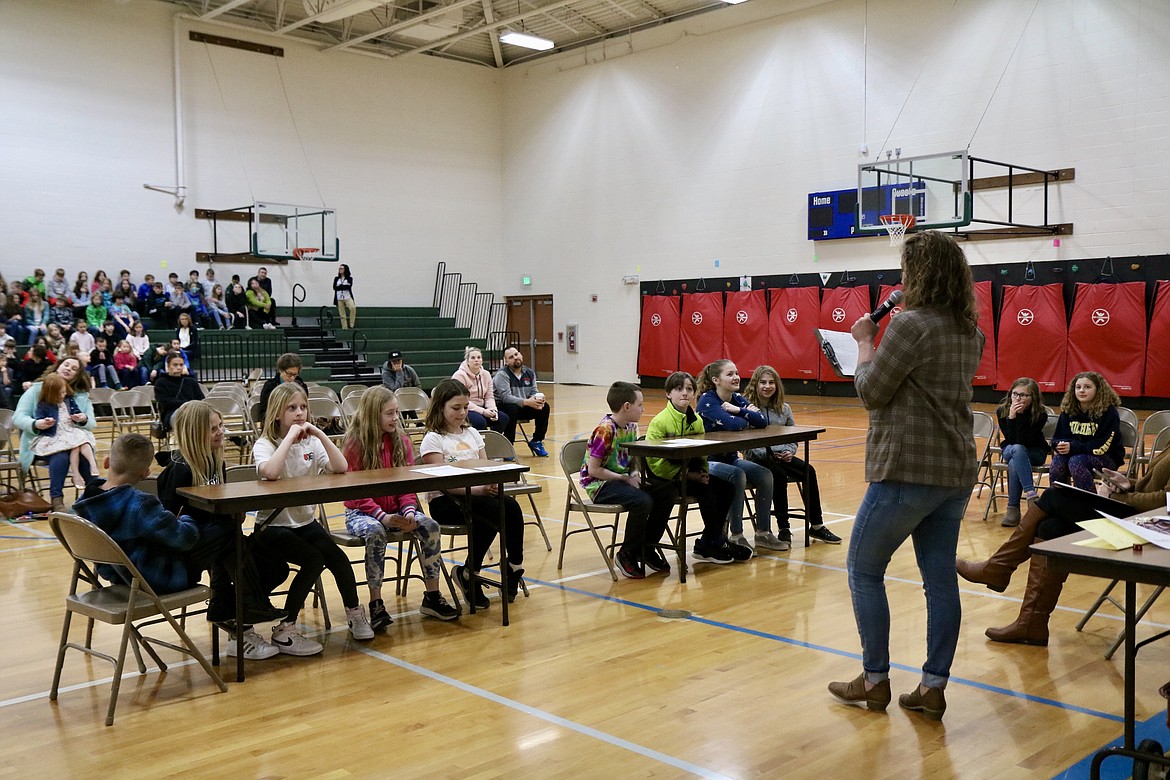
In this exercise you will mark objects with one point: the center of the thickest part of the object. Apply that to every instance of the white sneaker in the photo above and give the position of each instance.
(247, 327)
(291, 642)
(769, 541)
(256, 647)
(359, 624)
(739, 539)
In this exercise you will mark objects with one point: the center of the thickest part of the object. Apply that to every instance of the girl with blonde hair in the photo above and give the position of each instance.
(375, 441)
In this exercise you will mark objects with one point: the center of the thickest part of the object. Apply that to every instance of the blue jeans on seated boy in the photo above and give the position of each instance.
(740, 474)
(930, 515)
(1020, 460)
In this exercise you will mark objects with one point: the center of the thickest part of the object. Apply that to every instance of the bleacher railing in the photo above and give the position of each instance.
(229, 355)
(477, 311)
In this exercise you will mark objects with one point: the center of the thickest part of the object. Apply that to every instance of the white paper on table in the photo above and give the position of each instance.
(499, 467)
(442, 471)
(681, 442)
(1150, 534)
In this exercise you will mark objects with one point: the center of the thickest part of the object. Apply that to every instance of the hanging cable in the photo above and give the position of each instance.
(231, 127)
(1004, 72)
(292, 117)
(902, 108)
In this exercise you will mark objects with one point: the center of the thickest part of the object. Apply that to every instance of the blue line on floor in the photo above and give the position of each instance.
(842, 653)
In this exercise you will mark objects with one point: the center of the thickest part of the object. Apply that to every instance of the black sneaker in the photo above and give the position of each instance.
(712, 553)
(656, 561)
(738, 552)
(379, 617)
(436, 606)
(630, 568)
(823, 534)
(514, 577)
(785, 534)
(473, 593)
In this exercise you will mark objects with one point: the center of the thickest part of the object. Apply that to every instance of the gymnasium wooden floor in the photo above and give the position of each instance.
(588, 682)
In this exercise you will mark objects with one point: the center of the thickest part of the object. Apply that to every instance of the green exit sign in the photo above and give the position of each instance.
(525, 280)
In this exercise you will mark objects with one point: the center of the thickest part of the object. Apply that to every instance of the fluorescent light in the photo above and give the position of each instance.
(526, 41)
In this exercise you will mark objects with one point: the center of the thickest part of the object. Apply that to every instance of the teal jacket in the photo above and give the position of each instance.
(24, 417)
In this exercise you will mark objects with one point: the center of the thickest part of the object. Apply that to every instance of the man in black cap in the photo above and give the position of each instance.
(396, 374)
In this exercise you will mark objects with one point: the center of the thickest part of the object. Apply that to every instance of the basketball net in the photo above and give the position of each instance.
(897, 225)
(301, 251)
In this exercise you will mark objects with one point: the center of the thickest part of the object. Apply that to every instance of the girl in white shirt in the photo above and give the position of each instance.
(448, 439)
(294, 447)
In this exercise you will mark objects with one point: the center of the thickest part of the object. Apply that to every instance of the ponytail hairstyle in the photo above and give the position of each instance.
(706, 379)
(365, 431)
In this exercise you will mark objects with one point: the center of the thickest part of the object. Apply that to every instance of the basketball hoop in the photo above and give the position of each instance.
(897, 225)
(300, 252)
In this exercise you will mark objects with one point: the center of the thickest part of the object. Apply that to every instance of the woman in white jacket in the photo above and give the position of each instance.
(481, 411)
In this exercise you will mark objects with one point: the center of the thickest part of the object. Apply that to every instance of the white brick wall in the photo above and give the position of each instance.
(690, 143)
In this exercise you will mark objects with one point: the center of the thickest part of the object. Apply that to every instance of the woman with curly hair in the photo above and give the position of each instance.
(920, 462)
(1088, 433)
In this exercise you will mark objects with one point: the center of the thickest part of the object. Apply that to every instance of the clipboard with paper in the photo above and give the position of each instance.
(840, 350)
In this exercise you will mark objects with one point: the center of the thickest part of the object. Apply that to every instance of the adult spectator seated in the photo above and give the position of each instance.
(518, 397)
(31, 427)
(174, 388)
(396, 374)
(260, 308)
(481, 407)
(265, 283)
(288, 369)
(1055, 514)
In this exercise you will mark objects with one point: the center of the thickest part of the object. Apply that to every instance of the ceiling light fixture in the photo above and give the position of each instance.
(526, 40)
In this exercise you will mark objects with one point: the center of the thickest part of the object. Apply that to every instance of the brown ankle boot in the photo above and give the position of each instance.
(1031, 626)
(996, 571)
(57, 504)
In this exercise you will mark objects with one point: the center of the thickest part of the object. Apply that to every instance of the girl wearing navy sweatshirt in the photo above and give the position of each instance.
(1088, 433)
(724, 409)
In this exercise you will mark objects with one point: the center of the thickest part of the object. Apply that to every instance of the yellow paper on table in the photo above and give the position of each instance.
(1108, 535)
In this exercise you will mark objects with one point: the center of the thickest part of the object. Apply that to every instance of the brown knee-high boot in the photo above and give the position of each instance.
(996, 571)
(1040, 597)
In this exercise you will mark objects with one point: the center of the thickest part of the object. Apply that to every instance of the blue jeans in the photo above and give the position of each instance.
(930, 516)
(739, 474)
(1020, 460)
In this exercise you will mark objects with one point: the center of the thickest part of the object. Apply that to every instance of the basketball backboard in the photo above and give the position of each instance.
(935, 188)
(283, 231)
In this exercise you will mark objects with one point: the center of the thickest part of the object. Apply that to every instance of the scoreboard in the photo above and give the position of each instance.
(834, 213)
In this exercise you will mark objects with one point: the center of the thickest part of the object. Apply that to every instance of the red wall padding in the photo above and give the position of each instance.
(986, 373)
(840, 308)
(745, 330)
(1033, 337)
(884, 291)
(1158, 360)
(658, 342)
(701, 329)
(1107, 334)
(792, 346)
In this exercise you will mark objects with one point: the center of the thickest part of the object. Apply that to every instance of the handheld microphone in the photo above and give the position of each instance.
(886, 307)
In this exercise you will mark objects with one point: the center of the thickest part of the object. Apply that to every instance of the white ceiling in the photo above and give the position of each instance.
(464, 30)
